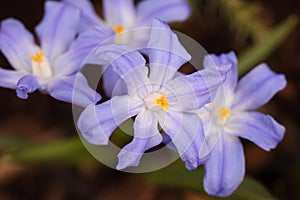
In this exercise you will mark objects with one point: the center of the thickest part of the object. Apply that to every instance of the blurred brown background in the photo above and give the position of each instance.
(42, 119)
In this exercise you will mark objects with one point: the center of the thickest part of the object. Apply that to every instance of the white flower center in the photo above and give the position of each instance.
(224, 112)
(220, 115)
(118, 29)
(40, 65)
(121, 37)
(157, 101)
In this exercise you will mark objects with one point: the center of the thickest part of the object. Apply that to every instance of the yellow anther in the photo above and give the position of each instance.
(118, 29)
(161, 101)
(38, 57)
(224, 112)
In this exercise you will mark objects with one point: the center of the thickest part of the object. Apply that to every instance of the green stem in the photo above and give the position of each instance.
(63, 151)
(261, 51)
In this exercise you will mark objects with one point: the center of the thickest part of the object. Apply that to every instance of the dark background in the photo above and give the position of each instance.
(42, 119)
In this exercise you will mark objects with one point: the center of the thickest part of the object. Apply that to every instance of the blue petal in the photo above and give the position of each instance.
(71, 61)
(212, 129)
(185, 131)
(119, 12)
(224, 59)
(10, 78)
(96, 123)
(166, 54)
(73, 89)
(193, 91)
(58, 28)
(225, 168)
(257, 88)
(27, 84)
(88, 15)
(167, 141)
(261, 129)
(127, 63)
(167, 10)
(113, 85)
(16, 43)
(146, 136)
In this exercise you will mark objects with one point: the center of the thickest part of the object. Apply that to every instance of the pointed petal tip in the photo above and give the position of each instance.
(220, 193)
(191, 166)
(89, 128)
(127, 159)
(279, 131)
(98, 97)
(232, 57)
(258, 87)
(27, 84)
(160, 24)
(264, 67)
(120, 167)
(9, 20)
(282, 79)
(22, 92)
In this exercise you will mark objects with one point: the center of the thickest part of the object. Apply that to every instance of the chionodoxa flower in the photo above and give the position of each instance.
(52, 66)
(232, 115)
(121, 16)
(125, 23)
(156, 95)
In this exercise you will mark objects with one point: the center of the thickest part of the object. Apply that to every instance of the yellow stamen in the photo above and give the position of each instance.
(224, 112)
(38, 57)
(161, 101)
(118, 29)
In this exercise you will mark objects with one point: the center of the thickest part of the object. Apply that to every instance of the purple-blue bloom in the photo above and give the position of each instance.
(52, 66)
(122, 16)
(155, 95)
(125, 23)
(232, 115)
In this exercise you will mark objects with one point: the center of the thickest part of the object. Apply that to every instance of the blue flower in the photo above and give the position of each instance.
(126, 24)
(232, 115)
(122, 15)
(52, 66)
(158, 95)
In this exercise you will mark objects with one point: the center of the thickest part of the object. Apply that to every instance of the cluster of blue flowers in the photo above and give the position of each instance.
(201, 115)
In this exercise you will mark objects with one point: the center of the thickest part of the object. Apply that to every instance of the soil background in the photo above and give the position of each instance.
(41, 119)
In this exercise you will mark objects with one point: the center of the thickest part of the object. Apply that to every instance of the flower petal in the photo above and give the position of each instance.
(58, 28)
(261, 129)
(73, 89)
(191, 92)
(10, 78)
(225, 168)
(113, 84)
(71, 61)
(167, 10)
(146, 136)
(97, 122)
(17, 43)
(257, 88)
(119, 12)
(127, 63)
(212, 130)
(230, 58)
(185, 131)
(88, 15)
(166, 54)
(27, 84)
